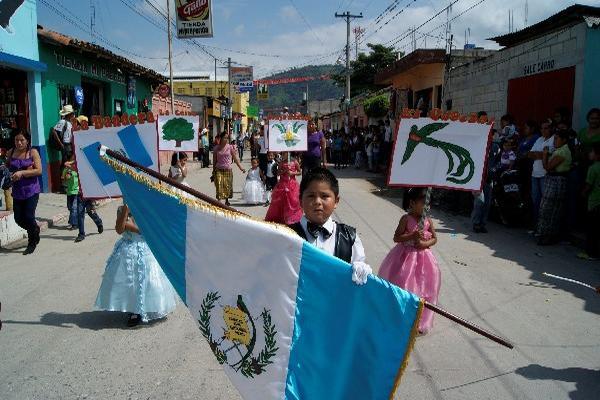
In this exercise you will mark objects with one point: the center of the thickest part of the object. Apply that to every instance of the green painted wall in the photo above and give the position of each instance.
(59, 75)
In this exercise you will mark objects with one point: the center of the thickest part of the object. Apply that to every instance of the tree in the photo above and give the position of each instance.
(377, 106)
(179, 130)
(364, 68)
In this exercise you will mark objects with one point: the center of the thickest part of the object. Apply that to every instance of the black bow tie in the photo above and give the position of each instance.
(314, 230)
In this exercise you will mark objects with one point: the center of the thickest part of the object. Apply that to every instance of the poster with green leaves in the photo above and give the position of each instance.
(444, 154)
(178, 132)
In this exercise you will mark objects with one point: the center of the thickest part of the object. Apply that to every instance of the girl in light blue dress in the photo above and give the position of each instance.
(133, 281)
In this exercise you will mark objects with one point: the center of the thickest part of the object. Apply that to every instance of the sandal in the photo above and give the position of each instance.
(134, 320)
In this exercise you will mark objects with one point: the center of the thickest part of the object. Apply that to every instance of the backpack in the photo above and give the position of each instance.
(57, 145)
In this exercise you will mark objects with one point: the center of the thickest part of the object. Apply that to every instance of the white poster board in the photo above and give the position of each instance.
(178, 132)
(96, 178)
(194, 18)
(288, 135)
(443, 154)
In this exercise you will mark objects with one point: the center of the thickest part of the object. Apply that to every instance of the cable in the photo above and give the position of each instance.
(389, 20)
(396, 40)
(306, 22)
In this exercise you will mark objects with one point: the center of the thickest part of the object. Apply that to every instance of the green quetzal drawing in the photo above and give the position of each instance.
(451, 150)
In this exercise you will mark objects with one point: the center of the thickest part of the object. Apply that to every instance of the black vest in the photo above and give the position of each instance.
(345, 236)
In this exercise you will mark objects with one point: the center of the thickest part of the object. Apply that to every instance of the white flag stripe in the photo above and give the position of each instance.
(272, 286)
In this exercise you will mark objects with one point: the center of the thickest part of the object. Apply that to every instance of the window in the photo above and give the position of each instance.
(66, 95)
(196, 91)
(209, 91)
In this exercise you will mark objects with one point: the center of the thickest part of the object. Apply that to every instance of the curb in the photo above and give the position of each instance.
(46, 223)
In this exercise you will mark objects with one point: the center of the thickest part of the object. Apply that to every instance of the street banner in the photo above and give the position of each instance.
(178, 133)
(252, 111)
(194, 18)
(282, 81)
(288, 135)
(96, 180)
(440, 153)
(241, 78)
(262, 92)
(283, 318)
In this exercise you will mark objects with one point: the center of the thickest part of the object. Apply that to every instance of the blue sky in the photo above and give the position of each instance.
(284, 33)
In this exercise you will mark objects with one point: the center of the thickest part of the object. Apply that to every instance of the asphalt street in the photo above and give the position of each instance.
(55, 345)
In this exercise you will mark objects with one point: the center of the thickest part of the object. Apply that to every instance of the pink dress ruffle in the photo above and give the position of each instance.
(285, 199)
(415, 271)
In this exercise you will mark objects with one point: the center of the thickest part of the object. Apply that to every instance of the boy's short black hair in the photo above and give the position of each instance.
(320, 174)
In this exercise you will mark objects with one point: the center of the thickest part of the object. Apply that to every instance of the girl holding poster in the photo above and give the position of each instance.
(411, 265)
(285, 201)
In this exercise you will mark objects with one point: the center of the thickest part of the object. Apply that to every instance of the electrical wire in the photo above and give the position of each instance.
(306, 22)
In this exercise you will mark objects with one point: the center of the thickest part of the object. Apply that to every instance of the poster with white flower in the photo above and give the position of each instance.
(288, 135)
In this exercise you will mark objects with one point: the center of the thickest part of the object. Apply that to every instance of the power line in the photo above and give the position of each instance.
(410, 2)
(306, 22)
(398, 39)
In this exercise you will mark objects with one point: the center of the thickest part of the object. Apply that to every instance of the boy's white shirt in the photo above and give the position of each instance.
(360, 269)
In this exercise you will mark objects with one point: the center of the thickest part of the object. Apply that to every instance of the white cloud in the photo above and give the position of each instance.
(296, 40)
(288, 12)
(239, 30)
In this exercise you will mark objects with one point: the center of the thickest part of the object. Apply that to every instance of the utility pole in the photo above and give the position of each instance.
(229, 93)
(448, 66)
(170, 58)
(348, 16)
(358, 32)
(92, 20)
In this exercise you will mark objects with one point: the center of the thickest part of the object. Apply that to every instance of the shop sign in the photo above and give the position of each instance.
(241, 78)
(79, 95)
(131, 97)
(539, 67)
(263, 92)
(164, 90)
(96, 70)
(194, 18)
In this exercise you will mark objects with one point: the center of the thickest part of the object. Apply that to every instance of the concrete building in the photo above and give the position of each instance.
(198, 84)
(549, 65)
(21, 79)
(418, 77)
(111, 85)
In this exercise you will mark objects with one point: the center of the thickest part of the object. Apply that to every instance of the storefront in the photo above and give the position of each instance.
(548, 66)
(109, 84)
(20, 80)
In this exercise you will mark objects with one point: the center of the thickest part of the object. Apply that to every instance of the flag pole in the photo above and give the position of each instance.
(216, 203)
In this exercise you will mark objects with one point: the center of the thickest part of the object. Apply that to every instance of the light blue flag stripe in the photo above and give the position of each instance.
(105, 173)
(134, 147)
(349, 341)
(151, 208)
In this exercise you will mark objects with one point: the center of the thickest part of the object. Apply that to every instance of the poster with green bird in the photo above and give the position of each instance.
(178, 132)
(441, 154)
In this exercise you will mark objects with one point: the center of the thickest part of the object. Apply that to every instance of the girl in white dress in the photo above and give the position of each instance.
(254, 190)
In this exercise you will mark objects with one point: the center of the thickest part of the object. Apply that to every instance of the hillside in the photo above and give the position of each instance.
(291, 94)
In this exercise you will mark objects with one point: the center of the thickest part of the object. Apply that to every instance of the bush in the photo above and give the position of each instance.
(377, 106)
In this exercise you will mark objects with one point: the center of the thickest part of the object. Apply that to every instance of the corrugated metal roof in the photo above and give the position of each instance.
(569, 16)
(591, 22)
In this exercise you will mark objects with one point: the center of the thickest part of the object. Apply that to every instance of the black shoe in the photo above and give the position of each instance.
(477, 228)
(134, 320)
(79, 238)
(100, 228)
(30, 249)
(483, 229)
(227, 203)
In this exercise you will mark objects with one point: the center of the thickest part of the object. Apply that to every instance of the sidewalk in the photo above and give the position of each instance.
(52, 211)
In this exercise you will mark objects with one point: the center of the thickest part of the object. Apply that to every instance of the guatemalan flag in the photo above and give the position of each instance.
(283, 318)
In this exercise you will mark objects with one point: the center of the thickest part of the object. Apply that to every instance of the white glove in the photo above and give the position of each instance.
(360, 272)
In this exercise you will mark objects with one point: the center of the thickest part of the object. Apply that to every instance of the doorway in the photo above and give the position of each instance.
(93, 98)
(536, 97)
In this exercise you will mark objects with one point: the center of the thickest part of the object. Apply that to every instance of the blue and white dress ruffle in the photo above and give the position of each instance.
(134, 282)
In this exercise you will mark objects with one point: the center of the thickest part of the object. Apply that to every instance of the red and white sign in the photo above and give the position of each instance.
(194, 18)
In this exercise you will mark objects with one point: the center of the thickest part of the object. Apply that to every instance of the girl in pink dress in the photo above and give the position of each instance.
(285, 200)
(411, 265)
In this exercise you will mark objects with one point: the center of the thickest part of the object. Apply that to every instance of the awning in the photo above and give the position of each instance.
(21, 63)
